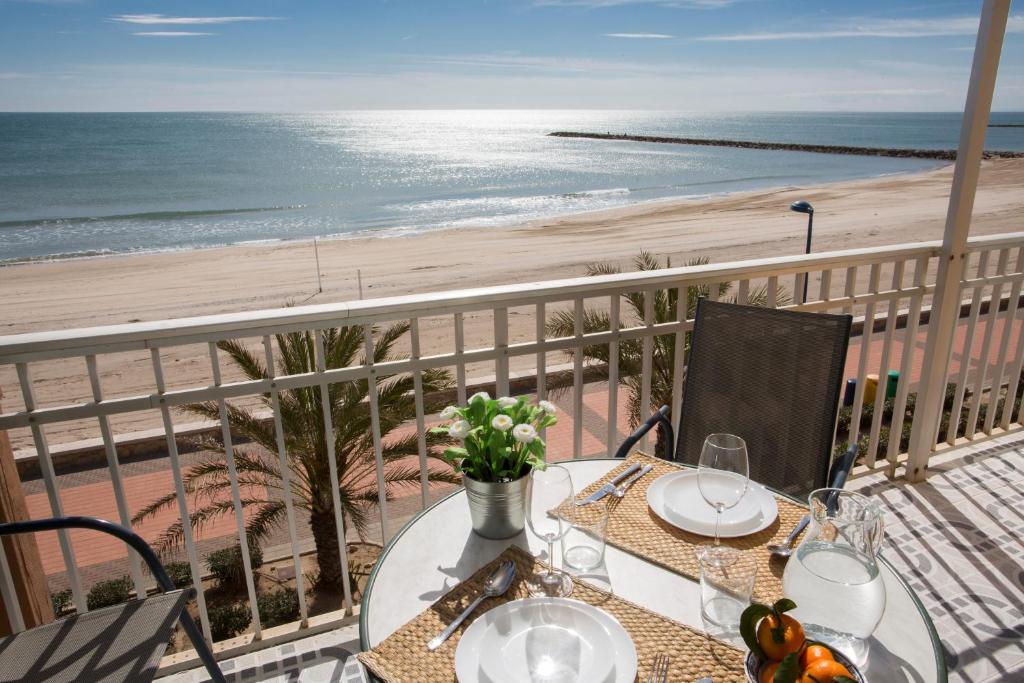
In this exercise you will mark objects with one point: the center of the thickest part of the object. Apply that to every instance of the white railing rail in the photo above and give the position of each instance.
(887, 289)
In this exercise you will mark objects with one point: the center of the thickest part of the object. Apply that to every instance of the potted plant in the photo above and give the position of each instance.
(500, 445)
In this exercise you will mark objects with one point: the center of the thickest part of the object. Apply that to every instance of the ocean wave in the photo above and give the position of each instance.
(145, 216)
(72, 255)
(507, 203)
(597, 193)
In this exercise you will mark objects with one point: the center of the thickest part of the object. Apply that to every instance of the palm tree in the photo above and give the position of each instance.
(306, 445)
(665, 307)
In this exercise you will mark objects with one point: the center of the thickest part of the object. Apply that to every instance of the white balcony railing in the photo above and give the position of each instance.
(500, 332)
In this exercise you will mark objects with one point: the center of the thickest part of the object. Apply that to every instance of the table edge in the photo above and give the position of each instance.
(364, 644)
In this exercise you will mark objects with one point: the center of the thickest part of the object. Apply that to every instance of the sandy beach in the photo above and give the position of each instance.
(78, 293)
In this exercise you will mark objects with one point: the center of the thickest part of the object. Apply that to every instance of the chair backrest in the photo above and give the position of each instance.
(772, 377)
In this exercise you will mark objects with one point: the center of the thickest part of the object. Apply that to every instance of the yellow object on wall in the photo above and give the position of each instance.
(870, 389)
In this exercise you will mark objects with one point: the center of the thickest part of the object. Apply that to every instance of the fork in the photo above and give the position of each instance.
(659, 671)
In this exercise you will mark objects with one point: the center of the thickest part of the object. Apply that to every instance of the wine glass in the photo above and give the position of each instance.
(723, 473)
(548, 490)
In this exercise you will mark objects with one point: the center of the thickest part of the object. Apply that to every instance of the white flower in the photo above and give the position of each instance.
(482, 395)
(548, 407)
(502, 423)
(524, 433)
(448, 413)
(459, 429)
(507, 402)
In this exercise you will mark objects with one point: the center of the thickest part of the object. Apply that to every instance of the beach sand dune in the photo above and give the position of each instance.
(120, 289)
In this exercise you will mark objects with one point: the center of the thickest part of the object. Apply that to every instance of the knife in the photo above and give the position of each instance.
(632, 480)
(609, 487)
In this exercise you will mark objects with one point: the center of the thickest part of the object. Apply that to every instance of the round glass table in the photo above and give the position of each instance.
(438, 549)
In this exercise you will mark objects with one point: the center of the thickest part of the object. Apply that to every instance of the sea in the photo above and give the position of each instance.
(90, 185)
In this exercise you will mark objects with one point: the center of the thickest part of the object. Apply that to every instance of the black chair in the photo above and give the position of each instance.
(772, 377)
(120, 643)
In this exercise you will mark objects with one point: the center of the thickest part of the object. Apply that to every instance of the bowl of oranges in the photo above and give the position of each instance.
(781, 653)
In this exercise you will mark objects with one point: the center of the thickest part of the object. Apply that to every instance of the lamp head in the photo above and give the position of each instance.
(801, 207)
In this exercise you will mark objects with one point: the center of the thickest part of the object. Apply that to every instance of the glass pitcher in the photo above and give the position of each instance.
(833, 576)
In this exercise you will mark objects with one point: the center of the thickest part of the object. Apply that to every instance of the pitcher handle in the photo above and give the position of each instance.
(878, 535)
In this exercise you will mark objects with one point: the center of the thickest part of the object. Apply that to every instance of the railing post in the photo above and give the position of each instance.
(953, 256)
(22, 553)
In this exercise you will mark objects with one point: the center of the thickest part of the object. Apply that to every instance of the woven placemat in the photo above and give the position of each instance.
(403, 656)
(635, 528)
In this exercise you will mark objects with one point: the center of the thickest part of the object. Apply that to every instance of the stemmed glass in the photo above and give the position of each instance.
(723, 473)
(550, 490)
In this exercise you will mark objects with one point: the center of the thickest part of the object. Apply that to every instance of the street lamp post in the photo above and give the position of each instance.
(804, 207)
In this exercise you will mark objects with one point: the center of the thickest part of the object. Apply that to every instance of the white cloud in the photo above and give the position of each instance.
(880, 92)
(648, 36)
(172, 34)
(877, 28)
(150, 19)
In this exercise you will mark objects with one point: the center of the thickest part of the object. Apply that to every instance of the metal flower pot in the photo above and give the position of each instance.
(498, 510)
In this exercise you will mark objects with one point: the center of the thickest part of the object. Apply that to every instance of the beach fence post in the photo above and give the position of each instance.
(945, 311)
(316, 255)
(359, 279)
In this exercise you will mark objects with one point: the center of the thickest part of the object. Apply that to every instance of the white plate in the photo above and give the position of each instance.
(676, 499)
(549, 640)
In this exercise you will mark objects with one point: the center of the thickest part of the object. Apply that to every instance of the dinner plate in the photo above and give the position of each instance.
(676, 499)
(545, 640)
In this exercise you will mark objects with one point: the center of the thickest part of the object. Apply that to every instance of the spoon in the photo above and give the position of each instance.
(786, 549)
(497, 583)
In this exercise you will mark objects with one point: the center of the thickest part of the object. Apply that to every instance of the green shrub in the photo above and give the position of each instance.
(279, 607)
(107, 593)
(227, 621)
(226, 564)
(61, 601)
(180, 574)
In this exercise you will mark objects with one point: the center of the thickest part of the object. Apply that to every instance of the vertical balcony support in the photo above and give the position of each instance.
(952, 258)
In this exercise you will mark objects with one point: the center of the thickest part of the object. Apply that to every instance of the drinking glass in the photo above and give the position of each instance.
(550, 490)
(723, 473)
(726, 585)
(584, 543)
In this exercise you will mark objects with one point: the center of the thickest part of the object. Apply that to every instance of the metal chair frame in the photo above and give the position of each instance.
(139, 545)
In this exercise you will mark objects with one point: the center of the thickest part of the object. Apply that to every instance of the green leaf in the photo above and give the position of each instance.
(789, 669)
(779, 630)
(748, 626)
(843, 679)
(783, 605)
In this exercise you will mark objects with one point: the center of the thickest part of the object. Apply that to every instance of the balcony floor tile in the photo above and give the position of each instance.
(958, 539)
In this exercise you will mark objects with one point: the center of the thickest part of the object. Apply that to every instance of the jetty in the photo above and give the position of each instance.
(942, 154)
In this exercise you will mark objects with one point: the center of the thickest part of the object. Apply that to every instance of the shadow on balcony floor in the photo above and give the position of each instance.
(958, 538)
(324, 658)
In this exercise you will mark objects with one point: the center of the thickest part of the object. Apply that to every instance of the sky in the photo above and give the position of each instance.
(306, 55)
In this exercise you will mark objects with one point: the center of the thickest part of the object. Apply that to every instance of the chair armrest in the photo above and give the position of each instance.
(661, 416)
(841, 468)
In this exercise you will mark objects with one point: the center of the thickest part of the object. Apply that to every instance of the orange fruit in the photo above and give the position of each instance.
(792, 637)
(813, 653)
(824, 671)
(768, 673)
